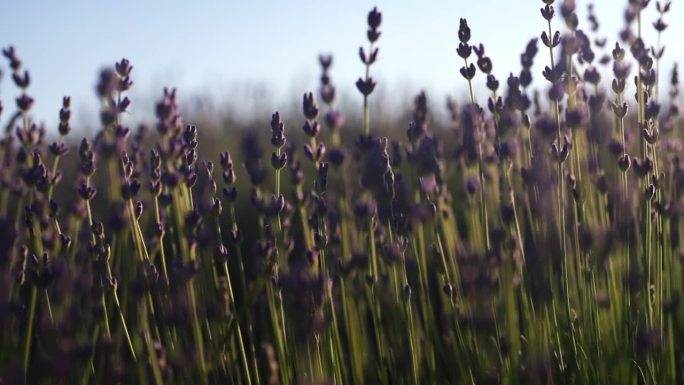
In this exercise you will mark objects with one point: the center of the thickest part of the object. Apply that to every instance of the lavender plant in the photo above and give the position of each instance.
(536, 240)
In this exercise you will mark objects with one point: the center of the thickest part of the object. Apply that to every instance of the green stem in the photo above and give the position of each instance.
(29, 333)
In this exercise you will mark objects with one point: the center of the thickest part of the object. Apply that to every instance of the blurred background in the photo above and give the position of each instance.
(246, 59)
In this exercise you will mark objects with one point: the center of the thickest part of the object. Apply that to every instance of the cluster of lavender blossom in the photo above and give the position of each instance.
(537, 240)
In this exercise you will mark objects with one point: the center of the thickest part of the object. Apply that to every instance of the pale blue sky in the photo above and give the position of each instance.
(222, 47)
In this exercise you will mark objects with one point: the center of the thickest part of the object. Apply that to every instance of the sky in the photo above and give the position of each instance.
(234, 52)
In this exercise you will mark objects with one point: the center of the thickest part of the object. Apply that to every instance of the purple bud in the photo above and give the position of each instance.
(463, 31)
(547, 12)
(374, 18)
(366, 87)
(86, 192)
(138, 209)
(309, 106)
(325, 61)
(225, 160)
(464, 50)
(123, 67)
(468, 72)
(278, 161)
(21, 80)
(24, 102)
(217, 207)
(311, 129)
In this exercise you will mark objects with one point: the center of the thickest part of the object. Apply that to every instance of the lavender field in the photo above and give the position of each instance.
(525, 234)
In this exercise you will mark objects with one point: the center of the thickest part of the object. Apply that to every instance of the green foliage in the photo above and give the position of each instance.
(537, 242)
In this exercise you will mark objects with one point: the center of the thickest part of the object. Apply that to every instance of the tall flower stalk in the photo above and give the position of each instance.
(366, 85)
(468, 71)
